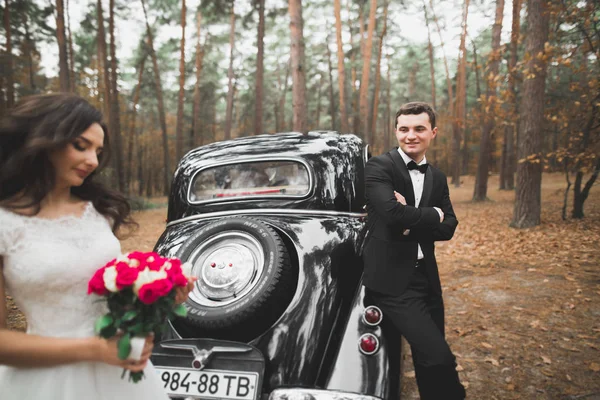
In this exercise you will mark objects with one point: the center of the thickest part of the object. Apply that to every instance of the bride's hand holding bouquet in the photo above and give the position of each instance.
(142, 291)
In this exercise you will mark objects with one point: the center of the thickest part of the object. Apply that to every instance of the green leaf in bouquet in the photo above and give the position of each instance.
(103, 322)
(180, 310)
(124, 346)
(108, 332)
(129, 315)
(137, 329)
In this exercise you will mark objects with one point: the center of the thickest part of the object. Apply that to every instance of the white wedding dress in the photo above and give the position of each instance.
(47, 264)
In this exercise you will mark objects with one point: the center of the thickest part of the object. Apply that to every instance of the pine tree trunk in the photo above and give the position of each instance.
(341, 74)
(29, 50)
(258, 95)
(412, 80)
(331, 95)
(507, 170)
(63, 62)
(430, 52)
(297, 66)
(319, 91)
(196, 134)
(115, 112)
(10, 86)
(366, 70)
(71, 54)
(355, 91)
(280, 108)
(161, 105)
(461, 98)
(527, 210)
(180, 98)
(230, 77)
(446, 68)
(377, 143)
(103, 63)
(579, 195)
(132, 134)
(489, 111)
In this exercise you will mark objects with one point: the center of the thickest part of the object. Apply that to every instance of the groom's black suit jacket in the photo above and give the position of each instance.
(389, 256)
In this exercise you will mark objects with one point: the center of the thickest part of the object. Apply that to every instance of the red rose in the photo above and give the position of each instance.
(96, 284)
(154, 261)
(126, 275)
(150, 292)
(140, 259)
(175, 274)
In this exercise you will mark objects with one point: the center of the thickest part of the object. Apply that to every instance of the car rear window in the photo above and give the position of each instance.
(251, 179)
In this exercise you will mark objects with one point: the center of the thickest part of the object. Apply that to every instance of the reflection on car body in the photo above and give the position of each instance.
(274, 228)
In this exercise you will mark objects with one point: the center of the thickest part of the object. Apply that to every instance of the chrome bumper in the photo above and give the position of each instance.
(316, 394)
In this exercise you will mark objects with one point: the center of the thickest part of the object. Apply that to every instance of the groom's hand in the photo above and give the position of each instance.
(399, 198)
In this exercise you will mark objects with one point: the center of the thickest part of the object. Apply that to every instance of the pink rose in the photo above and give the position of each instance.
(138, 259)
(176, 276)
(154, 261)
(150, 292)
(126, 275)
(96, 284)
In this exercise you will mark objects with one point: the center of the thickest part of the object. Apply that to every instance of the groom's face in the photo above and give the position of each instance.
(414, 134)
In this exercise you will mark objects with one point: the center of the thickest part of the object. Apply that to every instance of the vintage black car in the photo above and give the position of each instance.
(274, 226)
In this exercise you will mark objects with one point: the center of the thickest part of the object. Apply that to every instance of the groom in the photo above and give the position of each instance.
(409, 209)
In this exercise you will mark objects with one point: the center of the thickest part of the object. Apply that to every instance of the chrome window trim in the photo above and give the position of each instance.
(268, 211)
(309, 170)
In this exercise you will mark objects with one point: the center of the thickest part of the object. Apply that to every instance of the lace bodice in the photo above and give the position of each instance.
(47, 264)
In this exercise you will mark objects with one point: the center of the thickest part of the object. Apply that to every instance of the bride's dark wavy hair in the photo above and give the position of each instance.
(36, 126)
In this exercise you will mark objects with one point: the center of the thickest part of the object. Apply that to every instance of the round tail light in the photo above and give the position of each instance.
(368, 344)
(372, 316)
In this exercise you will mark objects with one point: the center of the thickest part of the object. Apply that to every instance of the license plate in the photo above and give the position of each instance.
(209, 384)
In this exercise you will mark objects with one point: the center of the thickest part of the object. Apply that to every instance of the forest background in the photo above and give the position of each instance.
(516, 86)
(517, 94)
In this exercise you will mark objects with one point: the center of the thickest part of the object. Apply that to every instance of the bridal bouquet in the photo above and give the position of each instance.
(140, 290)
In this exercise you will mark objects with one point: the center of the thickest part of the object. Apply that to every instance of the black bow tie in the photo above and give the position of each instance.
(413, 165)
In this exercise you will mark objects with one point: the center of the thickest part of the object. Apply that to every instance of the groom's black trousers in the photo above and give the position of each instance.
(418, 314)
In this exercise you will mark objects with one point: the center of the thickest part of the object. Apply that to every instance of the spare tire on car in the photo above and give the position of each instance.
(245, 278)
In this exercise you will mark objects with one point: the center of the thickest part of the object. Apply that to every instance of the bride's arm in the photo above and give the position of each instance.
(22, 350)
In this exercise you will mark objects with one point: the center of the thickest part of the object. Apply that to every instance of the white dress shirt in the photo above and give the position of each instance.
(418, 179)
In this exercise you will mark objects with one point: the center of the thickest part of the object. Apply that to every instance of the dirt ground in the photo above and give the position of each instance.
(522, 306)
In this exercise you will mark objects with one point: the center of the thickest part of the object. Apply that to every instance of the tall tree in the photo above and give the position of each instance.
(341, 73)
(103, 61)
(63, 62)
(458, 122)
(258, 93)
(71, 53)
(181, 96)
(196, 134)
(230, 76)
(354, 73)
(364, 81)
(507, 169)
(446, 68)
(297, 65)
(115, 112)
(527, 210)
(489, 107)
(10, 85)
(161, 106)
(132, 130)
(430, 52)
(331, 95)
(280, 102)
(378, 144)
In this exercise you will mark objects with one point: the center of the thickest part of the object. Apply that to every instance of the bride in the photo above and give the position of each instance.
(56, 228)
